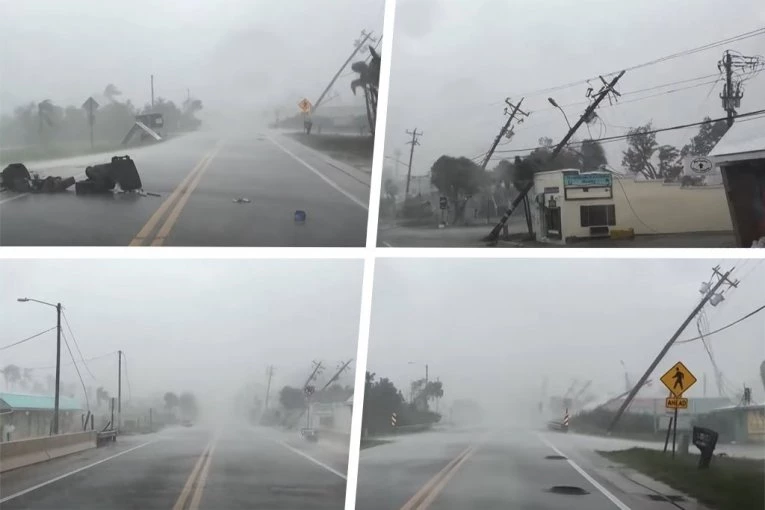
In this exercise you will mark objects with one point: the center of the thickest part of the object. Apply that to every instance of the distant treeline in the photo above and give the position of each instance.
(45, 123)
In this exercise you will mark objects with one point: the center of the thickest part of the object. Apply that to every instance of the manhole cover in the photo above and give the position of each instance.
(555, 457)
(660, 497)
(568, 489)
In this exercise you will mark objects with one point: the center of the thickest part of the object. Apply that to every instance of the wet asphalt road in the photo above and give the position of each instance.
(198, 177)
(492, 470)
(245, 469)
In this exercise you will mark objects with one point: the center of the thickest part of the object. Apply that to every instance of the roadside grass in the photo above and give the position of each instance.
(38, 153)
(371, 442)
(351, 149)
(729, 483)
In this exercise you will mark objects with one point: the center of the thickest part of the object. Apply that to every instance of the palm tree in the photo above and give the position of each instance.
(369, 80)
(44, 110)
(111, 91)
(12, 375)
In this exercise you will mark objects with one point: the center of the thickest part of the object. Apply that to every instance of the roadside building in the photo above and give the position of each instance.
(332, 418)
(569, 205)
(740, 156)
(27, 416)
(740, 424)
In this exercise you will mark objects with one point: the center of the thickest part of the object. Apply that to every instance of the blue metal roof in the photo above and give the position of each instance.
(18, 402)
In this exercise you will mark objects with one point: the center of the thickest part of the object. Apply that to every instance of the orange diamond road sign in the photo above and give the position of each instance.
(305, 105)
(678, 379)
(676, 403)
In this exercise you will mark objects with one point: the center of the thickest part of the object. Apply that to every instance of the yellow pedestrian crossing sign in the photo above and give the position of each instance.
(305, 105)
(678, 379)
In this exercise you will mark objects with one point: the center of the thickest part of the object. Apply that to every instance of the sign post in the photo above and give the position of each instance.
(677, 380)
(90, 105)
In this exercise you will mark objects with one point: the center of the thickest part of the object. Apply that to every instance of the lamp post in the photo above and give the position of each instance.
(57, 306)
(552, 102)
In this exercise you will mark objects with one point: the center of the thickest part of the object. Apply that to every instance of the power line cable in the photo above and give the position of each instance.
(50, 367)
(27, 339)
(741, 118)
(736, 38)
(127, 379)
(710, 333)
(85, 391)
(77, 346)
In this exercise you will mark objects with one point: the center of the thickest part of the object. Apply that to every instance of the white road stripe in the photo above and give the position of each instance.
(315, 461)
(586, 476)
(56, 479)
(323, 177)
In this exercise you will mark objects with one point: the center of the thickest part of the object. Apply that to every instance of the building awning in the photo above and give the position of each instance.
(17, 402)
(745, 140)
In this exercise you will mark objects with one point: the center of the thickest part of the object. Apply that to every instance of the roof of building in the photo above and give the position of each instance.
(744, 140)
(18, 402)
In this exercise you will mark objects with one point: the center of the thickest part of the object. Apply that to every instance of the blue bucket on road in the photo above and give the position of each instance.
(300, 216)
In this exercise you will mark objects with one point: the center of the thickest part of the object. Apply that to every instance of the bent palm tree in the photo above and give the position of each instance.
(369, 80)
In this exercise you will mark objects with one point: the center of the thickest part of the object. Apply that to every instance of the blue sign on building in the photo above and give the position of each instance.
(587, 181)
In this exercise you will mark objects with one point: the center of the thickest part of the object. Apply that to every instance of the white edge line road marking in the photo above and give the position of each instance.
(14, 197)
(320, 175)
(315, 461)
(587, 477)
(70, 473)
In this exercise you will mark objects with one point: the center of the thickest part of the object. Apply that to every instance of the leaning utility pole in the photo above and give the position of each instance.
(415, 141)
(359, 44)
(586, 117)
(270, 373)
(721, 278)
(337, 374)
(152, 93)
(516, 108)
(316, 368)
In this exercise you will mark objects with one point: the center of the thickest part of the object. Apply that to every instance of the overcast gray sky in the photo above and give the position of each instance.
(228, 52)
(492, 329)
(454, 63)
(195, 325)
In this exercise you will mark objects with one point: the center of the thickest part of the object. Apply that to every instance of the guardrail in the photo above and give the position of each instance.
(24, 452)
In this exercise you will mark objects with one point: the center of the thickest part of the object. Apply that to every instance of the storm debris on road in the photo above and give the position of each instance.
(16, 177)
(300, 216)
(242, 200)
(104, 178)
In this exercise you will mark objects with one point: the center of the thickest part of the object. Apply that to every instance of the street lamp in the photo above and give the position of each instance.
(57, 306)
(552, 102)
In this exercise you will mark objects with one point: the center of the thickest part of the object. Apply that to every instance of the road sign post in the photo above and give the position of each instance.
(677, 380)
(90, 105)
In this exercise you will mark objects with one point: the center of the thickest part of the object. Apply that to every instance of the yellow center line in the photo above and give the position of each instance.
(150, 225)
(200, 485)
(431, 497)
(424, 492)
(190, 481)
(172, 218)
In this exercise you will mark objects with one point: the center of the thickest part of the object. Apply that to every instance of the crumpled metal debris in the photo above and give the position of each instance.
(16, 177)
(242, 200)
